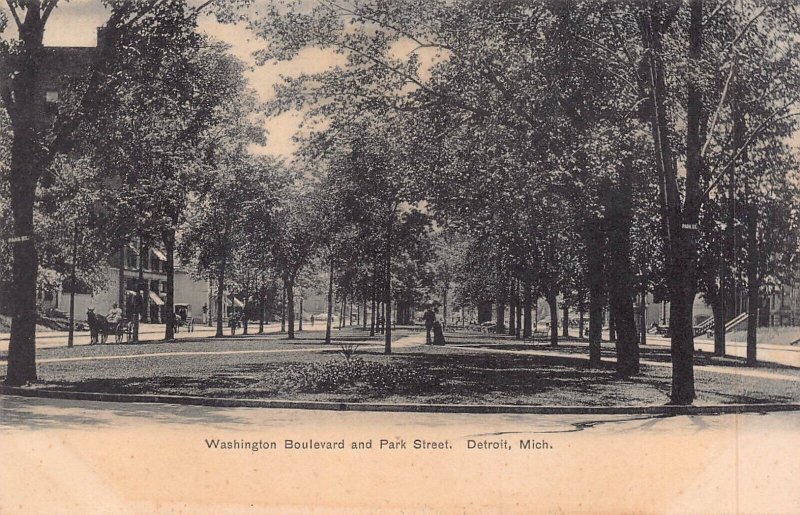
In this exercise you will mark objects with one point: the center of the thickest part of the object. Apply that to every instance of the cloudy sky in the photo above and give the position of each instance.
(75, 23)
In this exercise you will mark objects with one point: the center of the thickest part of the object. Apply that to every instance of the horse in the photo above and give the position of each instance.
(98, 326)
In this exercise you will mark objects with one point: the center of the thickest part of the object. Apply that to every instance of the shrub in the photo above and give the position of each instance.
(334, 375)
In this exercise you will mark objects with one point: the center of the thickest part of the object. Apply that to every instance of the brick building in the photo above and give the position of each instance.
(57, 67)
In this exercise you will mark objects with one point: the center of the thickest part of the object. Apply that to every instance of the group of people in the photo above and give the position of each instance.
(432, 325)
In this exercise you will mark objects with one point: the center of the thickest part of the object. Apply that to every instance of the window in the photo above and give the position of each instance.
(51, 97)
(131, 258)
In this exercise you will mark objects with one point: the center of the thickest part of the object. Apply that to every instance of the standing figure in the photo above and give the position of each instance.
(438, 333)
(429, 317)
(233, 322)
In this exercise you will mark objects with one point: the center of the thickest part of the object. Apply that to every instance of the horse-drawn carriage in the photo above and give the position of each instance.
(101, 328)
(183, 317)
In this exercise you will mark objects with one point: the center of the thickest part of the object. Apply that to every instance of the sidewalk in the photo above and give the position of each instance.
(147, 332)
(782, 354)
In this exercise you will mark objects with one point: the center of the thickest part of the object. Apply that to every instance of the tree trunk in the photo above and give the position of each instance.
(300, 315)
(262, 295)
(565, 329)
(169, 302)
(143, 285)
(329, 319)
(382, 317)
(122, 296)
(581, 313)
(718, 310)
(289, 288)
(551, 301)
(678, 222)
(245, 311)
(372, 311)
(752, 279)
(512, 315)
(444, 304)
(388, 288)
(595, 278)
(221, 294)
(27, 164)
(500, 313)
(362, 315)
(343, 314)
(527, 330)
(283, 308)
(612, 326)
(643, 317)
(73, 279)
(519, 313)
(620, 275)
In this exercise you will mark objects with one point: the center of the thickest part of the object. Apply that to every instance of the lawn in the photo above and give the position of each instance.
(304, 369)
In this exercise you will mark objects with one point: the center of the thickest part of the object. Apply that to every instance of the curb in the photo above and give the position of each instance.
(408, 408)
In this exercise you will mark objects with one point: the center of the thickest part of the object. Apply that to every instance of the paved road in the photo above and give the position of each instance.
(147, 332)
(86, 457)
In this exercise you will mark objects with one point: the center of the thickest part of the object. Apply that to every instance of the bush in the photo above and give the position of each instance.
(334, 375)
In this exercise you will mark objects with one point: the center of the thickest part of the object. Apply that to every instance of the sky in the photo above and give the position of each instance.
(75, 23)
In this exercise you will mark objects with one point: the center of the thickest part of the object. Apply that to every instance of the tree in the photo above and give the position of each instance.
(217, 228)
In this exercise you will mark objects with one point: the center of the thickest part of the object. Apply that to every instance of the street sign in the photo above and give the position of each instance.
(19, 239)
(689, 226)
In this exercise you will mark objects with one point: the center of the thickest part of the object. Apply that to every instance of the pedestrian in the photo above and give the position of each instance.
(312, 320)
(205, 314)
(438, 333)
(233, 322)
(429, 318)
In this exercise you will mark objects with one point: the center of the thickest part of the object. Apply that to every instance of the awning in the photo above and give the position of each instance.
(238, 303)
(160, 255)
(155, 298)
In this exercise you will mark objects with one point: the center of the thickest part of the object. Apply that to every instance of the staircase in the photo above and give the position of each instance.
(704, 326)
(708, 324)
(735, 322)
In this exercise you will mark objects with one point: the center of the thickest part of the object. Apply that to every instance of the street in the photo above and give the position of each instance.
(147, 332)
(93, 457)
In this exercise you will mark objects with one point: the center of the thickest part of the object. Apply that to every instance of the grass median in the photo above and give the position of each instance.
(470, 372)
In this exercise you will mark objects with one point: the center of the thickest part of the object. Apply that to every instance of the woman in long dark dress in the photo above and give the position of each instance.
(438, 333)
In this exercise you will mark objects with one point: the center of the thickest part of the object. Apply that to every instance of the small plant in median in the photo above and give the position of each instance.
(348, 349)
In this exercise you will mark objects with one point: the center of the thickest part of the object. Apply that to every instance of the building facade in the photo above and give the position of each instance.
(127, 271)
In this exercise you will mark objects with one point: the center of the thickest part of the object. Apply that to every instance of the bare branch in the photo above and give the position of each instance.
(203, 6)
(717, 110)
(14, 14)
(47, 9)
(747, 26)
